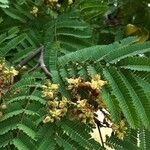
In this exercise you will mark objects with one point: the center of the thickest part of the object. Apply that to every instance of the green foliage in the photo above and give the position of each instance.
(71, 36)
(92, 9)
(3, 3)
(131, 140)
(122, 83)
(70, 135)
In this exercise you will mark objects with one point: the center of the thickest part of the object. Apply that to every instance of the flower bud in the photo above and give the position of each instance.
(47, 119)
(3, 106)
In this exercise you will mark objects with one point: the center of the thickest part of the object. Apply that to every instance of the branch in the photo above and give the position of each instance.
(28, 58)
(100, 134)
(42, 64)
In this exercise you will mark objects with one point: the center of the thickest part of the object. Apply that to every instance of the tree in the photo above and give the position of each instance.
(61, 61)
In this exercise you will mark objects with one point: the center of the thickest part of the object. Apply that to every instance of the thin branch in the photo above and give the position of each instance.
(100, 134)
(28, 58)
(102, 124)
(42, 64)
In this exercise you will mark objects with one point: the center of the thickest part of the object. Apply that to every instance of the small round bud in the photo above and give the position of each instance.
(70, 2)
(24, 67)
(47, 119)
(3, 106)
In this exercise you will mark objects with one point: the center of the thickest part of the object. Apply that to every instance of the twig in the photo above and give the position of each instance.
(102, 124)
(28, 58)
(42, 64)
(100, 134)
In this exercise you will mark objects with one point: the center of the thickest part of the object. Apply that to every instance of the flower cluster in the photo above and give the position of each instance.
(6, 76)
(83, 105)
(95, 84)
(51, 3)
(6, 72)
(88, 101)
(119, 129)
(56, 3)
(50, 90)
(70, 2)
(87, 90)
(55, 108)
(83, 112)
(86, 97)
(6, 80)
(34, 11)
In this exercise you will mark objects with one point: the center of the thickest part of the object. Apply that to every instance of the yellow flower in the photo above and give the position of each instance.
(64, 99)
(48, 94)
(34, 11)
(97, 83)
(94, 85)
(120, 129)
(53, 1)
(53, 104)
(92, 122)
(114, 127)
(24, 67)
(81, 103)
(120, 135)
(54, 87)
(1, 66)
(101, 83)
(74, 81)
(70, 2)
(64, 111)
(2, 63)
(47, 119)
(84, 120)
(58, 112)
(44, 86)
(13, 71)
(121, 123)
(63, 102)
(3, 106)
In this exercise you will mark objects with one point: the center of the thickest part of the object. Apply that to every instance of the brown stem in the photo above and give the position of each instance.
(28, 58)
(42, 64)
(100, 134)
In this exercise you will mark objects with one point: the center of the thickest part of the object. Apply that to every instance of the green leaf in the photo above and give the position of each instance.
(12, 44)
(19, 144)
(126, 51)
(136, 64)
(121, 93)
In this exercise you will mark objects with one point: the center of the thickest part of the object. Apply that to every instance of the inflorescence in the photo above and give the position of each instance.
(7, 75)
(82, 106)
(83, 94)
